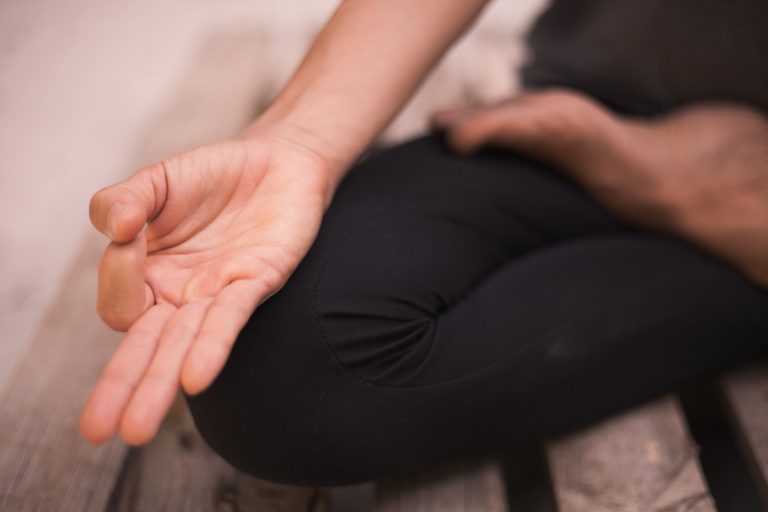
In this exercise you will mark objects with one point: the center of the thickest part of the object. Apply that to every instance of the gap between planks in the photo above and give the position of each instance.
(745, 391)
(643, 460)
(465, 486)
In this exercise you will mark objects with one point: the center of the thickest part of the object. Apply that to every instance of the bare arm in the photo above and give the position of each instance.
(360, 71)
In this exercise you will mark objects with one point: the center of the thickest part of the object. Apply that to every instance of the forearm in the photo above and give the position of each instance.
(361, 69)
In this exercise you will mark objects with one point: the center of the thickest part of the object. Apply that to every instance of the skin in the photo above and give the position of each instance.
(227, 224)
(201, 239)
(699, 173)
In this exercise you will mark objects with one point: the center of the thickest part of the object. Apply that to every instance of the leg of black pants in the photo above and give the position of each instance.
(454, 307)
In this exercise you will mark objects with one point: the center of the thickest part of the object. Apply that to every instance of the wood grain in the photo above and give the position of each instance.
(643, 460)
(178, 472)
(746, 393)
(44, 463)
(472, 486)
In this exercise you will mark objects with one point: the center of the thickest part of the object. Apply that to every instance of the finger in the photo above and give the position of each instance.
(121, 210)
(102, 412)
(448, 118)
(557, 126)
(160, 383)
(471, 132)
(444, 119)
(228, 314)
(123, 294)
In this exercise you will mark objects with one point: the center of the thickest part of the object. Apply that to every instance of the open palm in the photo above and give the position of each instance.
(226, 225)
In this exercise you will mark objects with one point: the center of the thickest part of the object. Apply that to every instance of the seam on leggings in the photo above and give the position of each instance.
(316, 315)
(650, 284)
(373, 217)
(521, 220)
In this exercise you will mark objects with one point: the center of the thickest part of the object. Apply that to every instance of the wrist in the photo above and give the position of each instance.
(316, 132)
(325, 161)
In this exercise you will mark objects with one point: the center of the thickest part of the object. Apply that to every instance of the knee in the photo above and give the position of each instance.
(286, 409)
(295, 433)
(300, 398)
(266, 413)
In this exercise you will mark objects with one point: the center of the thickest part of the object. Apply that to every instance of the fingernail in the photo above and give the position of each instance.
(113, 217)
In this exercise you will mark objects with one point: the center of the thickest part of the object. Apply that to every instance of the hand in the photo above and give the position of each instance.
(574, 134)
(227, 224)
(700, 172)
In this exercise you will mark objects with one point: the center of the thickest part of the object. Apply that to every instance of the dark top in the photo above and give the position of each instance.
(648, 56)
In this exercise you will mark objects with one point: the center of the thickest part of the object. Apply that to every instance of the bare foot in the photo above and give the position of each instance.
(700, 172)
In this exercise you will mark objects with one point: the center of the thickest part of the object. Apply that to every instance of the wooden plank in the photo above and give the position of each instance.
(44, 463)
(746, 394)
(470, 486)
(177, 471)
(643, 460)
(223, 91)
(351, 498)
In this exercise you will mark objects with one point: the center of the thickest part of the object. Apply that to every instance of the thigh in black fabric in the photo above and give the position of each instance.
(414, 230)
(547, 341)
(449, 307)
(409, 232)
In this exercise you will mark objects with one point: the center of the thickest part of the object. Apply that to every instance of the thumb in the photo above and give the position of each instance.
(121, 210)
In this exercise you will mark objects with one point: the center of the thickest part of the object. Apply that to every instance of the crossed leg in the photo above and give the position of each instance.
(452, 307)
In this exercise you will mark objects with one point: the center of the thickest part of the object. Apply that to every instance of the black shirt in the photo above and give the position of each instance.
(652, 55)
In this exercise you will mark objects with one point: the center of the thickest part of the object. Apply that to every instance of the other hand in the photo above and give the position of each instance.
(700, 172)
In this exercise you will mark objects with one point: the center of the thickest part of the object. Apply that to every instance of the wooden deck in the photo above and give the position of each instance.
(642, 460)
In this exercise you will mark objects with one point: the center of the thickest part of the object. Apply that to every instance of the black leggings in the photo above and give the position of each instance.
(454, 307)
